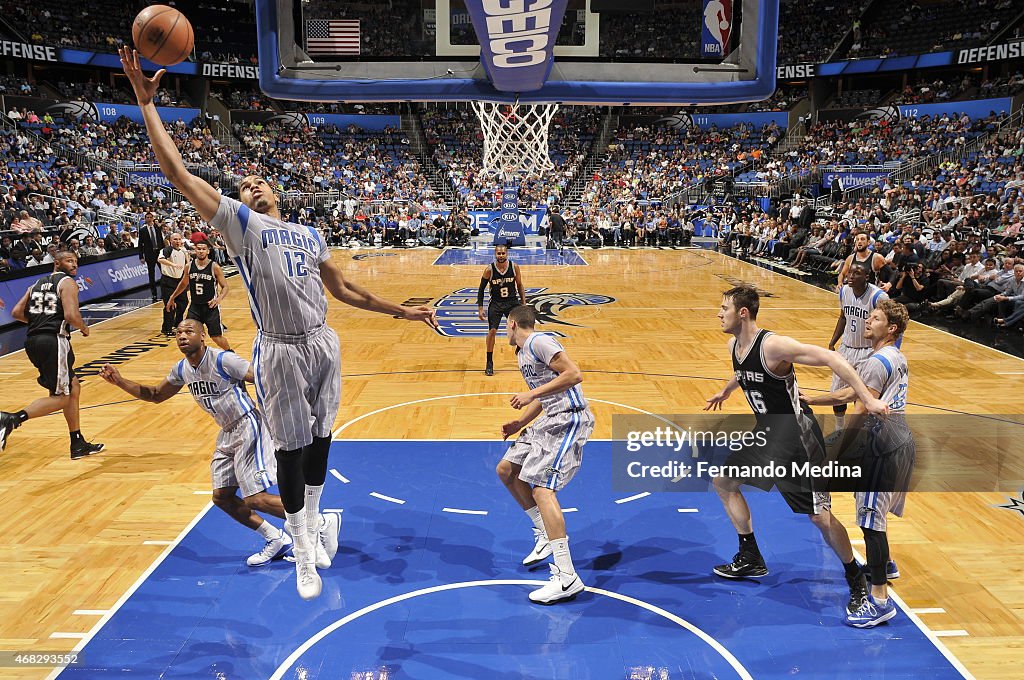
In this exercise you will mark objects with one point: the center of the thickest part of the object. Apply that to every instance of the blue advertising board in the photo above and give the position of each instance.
(849, 179)
(976, 108)
(148, 178)
(486, 221)
(368, 122)
(108, 113)
(95, 280)
(508, 227)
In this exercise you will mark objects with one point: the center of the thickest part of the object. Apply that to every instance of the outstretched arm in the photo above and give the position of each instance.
(357, 296)
(201, 195)
(779, 349)
(154, 394)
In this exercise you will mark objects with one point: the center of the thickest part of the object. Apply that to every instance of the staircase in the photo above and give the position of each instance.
(594, 160)
(437, 177)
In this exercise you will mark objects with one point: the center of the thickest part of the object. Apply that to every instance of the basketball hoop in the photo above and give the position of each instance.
(515, 136)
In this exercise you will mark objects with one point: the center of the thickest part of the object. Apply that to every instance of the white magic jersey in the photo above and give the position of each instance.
(856, 310)
(217, 384)
(886, 372)
(534, 359)
(280, 267)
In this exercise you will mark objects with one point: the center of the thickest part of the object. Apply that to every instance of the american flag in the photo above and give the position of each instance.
(332, 36)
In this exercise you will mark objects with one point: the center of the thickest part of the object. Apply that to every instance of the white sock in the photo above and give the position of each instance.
(295, 523)
(534, 515)
(268, 531)
(563, 560)
(840, 421)
(882, 602)
(313, 508)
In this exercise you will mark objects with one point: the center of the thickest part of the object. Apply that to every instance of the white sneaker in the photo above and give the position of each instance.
(273, 549)
(329, 535)
(307, 581)
(323, 561)
(541, 548)
(559, 588)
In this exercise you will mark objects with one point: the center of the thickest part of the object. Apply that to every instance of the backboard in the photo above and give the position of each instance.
(437, 59)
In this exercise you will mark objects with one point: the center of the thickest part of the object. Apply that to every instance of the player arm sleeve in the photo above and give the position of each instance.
(233, 366)
(325, 253)
(175, 377)
(231, 219)
(480, 293)
(874, 374)
(545, 347)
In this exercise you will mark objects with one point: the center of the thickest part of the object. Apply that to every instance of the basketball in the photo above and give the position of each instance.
(724, 25)
(163, 35)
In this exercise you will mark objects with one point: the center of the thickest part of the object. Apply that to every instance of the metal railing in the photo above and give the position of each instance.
(928, 164)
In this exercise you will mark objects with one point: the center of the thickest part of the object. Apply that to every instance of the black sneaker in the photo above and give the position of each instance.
(85, 449)
(489, 370)
(743, 565)
(858, 593)
(8, 423)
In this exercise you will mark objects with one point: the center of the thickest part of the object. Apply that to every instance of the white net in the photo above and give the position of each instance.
(515, 136)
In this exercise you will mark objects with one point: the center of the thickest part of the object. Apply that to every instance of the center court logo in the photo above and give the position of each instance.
(457, 311)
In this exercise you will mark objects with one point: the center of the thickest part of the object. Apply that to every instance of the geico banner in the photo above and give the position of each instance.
(95, 280)
(853, 178)
(486, 221)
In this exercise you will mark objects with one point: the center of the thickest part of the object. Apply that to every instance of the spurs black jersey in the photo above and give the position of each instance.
(767, 393)
(45, 310)
(202, 284)
(867, 264)
(503, 286)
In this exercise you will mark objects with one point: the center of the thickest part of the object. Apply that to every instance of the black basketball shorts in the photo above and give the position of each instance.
(209, 317)
(496, 312)
(54, 359)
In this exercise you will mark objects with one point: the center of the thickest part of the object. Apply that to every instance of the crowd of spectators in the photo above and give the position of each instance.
(16, 85)
(456, 140)
(951, 238)
(370, 166)
(917, 26)
(872, 141)
(938, 90)
(810, 29)
(654, 162)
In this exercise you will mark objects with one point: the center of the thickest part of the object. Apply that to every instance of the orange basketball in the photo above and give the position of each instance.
(163, 35)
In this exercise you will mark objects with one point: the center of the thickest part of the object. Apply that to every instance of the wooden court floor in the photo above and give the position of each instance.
(79, 534)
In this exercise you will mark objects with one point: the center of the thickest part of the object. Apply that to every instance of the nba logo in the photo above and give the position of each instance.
(716, 29)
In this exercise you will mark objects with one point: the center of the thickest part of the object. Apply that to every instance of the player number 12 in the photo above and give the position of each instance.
(296, 262)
